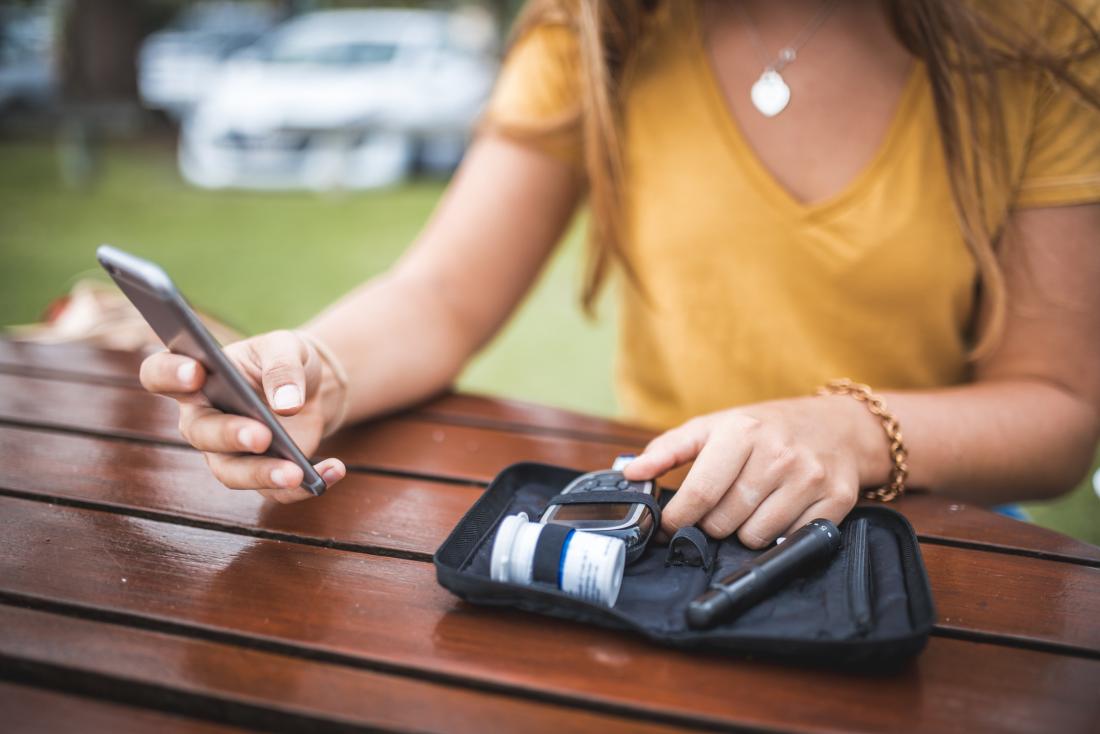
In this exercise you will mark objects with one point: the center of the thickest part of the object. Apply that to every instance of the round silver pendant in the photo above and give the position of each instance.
(770, 94)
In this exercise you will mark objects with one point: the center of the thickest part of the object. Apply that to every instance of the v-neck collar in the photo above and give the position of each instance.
(767, 183)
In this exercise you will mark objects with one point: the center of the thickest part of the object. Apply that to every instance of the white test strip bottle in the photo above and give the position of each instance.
(585, 565)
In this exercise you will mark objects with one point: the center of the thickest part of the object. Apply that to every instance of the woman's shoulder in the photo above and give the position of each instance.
(1039, 48)
(1053, 27)
(1050, 89)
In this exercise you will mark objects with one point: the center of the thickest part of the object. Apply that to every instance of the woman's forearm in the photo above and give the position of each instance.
(406, 334)
(397, 342)
(991, 441)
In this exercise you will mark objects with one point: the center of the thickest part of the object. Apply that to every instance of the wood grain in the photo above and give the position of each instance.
(109, 409)
(389, 612)
(28, 709)
(402, 443)
(264, 689)
(334, 596)
(415, 446)
(939, 518)
(1022, 598)
(517, 415)
(365, 510)
(951, 521)
(978, 592)
(81, 363)
(78, 362)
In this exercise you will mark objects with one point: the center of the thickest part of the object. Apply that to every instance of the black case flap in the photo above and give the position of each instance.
(870, 604)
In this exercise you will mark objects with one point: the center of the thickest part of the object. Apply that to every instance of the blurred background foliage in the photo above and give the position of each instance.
(88, 163)
(261, 261)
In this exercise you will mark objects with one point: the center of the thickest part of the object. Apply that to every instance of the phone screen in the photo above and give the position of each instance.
(609, 513)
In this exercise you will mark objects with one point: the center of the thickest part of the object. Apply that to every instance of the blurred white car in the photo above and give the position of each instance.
(342, 99)
(177, 65)
(26, 57)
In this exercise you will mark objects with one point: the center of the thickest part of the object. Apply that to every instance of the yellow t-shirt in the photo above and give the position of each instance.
(751, 295)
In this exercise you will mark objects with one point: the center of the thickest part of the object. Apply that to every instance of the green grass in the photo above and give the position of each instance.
(264, 261)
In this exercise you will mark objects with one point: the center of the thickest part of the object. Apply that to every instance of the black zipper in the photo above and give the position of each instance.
(859, 576)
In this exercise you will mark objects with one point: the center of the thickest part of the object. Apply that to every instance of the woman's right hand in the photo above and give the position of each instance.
(297, 385)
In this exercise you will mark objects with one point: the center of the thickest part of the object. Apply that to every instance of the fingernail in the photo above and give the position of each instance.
(185, 373)
(288, 396)
(278, 477)
(330, 475)
(247, 437)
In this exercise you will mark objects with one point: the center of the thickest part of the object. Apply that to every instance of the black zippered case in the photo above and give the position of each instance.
(870, 605)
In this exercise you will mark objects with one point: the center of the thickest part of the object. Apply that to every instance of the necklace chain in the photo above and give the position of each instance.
(788, 53)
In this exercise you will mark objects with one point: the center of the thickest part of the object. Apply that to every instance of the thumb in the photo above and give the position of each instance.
(282, 357)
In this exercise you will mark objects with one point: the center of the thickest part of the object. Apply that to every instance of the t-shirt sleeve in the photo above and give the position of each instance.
(536, 99)
(1063, 159)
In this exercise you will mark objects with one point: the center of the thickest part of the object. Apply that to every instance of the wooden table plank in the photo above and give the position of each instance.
(72, 361)
(419, 447)
(1023, 598)
(438, 448)
(517, 415)
(410, 518)
(466, 452)
(413, 516)
(266, 690)
(111, 409)
(81, 363)
(389, 612)
(230, 570)
(956, 522)
(28, 709)
(944, 520)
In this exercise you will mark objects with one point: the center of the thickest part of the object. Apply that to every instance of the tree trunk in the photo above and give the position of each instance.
(99, 52)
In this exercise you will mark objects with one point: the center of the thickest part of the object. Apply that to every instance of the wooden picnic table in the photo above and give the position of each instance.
(137, 594)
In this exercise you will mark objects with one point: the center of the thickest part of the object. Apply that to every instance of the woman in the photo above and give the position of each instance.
(900, 193)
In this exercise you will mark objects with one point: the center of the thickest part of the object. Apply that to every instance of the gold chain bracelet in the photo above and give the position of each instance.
(898, 455)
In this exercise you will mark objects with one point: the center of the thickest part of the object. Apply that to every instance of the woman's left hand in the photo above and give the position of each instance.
(763, 470)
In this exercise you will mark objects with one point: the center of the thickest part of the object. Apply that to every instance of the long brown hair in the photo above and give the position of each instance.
(963, 45)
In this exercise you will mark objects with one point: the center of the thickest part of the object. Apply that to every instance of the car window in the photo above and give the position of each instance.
(342, 54)
(14, 49)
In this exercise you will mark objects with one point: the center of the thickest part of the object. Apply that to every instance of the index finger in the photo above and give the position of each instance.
(171, 374)
(669, 450)
(715, 469)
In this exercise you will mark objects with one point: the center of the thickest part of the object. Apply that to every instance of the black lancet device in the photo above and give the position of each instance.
(810, 546)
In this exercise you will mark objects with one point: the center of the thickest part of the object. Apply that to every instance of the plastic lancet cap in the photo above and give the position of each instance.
(502, 547)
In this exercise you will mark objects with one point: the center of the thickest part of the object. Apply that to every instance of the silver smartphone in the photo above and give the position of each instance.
(166, 310)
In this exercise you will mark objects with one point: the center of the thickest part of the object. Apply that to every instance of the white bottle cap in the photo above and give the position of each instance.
(500, 561)
(590, 566)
